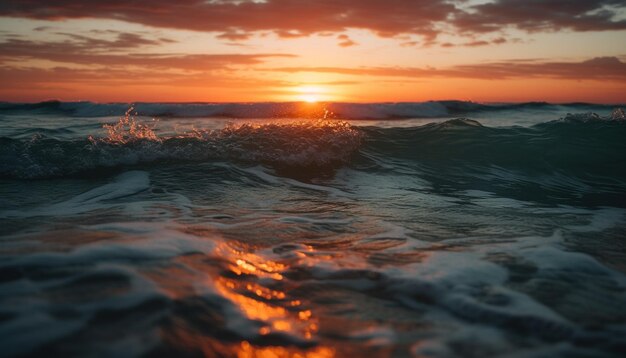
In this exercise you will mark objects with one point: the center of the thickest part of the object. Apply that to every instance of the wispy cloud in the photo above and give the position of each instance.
(601, 68)
(345, 41)
(85, 50)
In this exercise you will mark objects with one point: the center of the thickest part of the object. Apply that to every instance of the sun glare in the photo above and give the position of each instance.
(310, 94)
(309, 98)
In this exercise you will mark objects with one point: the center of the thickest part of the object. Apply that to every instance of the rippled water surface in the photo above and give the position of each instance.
(498, 235)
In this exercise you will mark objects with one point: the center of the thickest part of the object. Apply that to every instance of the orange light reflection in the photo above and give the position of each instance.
(260, 303)
(246, 350)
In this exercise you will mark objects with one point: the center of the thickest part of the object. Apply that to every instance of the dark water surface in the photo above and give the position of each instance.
(214, 232)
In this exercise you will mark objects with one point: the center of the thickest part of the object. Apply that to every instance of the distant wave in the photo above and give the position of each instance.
(430, 109)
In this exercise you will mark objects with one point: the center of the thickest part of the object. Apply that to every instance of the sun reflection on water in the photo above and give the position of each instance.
(270, 320)
(270, 305)
(246, 350)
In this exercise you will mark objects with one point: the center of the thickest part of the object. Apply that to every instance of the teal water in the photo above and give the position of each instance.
(437, 229)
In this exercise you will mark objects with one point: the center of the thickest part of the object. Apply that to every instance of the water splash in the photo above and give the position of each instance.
(618, 114)
(304, 147)
(315, 143)
(128, 129)
(318, 142)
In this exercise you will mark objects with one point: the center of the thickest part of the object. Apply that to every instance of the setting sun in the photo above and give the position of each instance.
(312, 94)
(309, 98)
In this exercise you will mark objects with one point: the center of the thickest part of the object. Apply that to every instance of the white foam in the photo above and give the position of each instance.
(454, 268)
(376, 336)
(125, 184)
(391, 230)
(263, 174)
(150, 241)
(602, 219)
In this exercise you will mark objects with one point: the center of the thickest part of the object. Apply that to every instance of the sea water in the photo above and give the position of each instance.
(438, 229)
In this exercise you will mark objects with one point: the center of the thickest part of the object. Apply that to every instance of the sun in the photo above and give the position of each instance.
(309, 98)
(310, 94)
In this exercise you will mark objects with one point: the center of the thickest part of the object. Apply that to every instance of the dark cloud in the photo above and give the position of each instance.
(237, 20)
(542, 15)
(233, 20)
(123, 40)
(600, 68)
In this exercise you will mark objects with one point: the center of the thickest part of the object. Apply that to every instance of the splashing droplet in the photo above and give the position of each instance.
(128, 129)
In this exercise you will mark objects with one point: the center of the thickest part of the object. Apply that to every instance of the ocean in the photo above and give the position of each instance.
(434, 229)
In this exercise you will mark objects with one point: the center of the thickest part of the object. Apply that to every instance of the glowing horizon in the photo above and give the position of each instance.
(292, 50)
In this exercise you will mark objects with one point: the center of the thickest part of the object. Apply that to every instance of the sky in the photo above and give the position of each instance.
(307, 50)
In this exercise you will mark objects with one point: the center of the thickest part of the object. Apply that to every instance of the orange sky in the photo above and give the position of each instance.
(302, 50)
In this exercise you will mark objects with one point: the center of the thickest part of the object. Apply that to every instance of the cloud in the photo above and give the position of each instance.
(19, 82)
(84, 50)
(542, 15)
(409, 43)
(238, 20)
(59, 80)
(124, 40)
(599, 68)
(476, 43)
(479, 43)
(345, 41)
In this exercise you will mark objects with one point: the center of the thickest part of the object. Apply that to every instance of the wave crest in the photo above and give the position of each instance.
(128, 129)
(305, 147)
(617, 114)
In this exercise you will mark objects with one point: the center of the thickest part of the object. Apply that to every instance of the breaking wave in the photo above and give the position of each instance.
(287, 146)
(583, 146)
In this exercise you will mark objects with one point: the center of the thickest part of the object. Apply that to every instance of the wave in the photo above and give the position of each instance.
(577, 160)
(312, 146)
(578, 145)
(169, 274)
(587, 140)
(430, 109)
